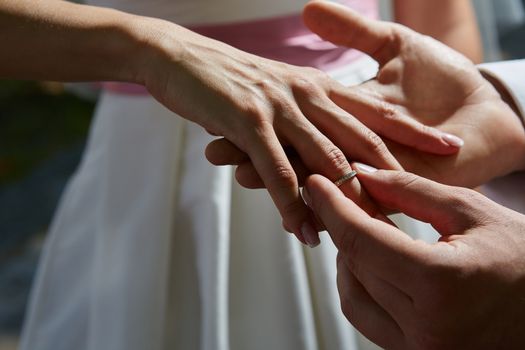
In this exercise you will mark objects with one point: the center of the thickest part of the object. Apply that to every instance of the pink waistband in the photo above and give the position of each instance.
(283, 39)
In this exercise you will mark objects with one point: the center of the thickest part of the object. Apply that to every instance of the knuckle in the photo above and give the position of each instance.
(282, 180)
(254, 112)
(388, 111)
(304, 84)
(426, 130)
(269, 87)
(291, 209)
(283, 177)
(335, 159)
(398, 34)
(310, 80)
(315, 73)
(256, 115)
(374, 143)
(251, 130)
(319, 76)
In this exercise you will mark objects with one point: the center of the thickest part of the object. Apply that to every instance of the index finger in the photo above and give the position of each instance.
(343, 26)
(367, 243)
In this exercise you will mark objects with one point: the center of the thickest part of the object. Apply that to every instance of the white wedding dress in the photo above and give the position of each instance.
(154, 248)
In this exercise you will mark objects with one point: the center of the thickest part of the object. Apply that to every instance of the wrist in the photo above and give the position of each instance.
(154, 42)
(513, 155)
(503, 92)
(509, 112)
(73, 42)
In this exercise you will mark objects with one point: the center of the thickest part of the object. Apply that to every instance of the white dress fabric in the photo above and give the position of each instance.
(154, 248)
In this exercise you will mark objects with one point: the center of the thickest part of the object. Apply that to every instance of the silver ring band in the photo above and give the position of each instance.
(345, 178)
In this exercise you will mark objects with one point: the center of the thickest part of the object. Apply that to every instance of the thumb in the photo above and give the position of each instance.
(367, 242)
(450, 210)
(343, 26)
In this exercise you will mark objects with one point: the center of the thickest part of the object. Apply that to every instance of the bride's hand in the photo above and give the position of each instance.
(263, 106)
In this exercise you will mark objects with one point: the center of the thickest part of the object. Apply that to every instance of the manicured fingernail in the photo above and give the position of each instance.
(452, 140)
(306, 196)
(365, 168)
(300, 237)
(310, 235)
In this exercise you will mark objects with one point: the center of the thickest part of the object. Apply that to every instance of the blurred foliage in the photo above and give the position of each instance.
(36, 121)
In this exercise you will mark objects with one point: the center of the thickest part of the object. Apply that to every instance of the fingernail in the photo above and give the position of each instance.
(306, 196)
(301, 238)
(452, 140)
(310, 235)
(365, 168)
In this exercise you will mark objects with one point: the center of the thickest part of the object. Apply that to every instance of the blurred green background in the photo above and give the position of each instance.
(42, 133)
(38, 120)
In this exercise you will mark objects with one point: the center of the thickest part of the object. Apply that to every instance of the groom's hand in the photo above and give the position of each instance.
(466, 291)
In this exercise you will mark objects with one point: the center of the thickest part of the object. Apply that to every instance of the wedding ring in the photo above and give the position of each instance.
(345, 178)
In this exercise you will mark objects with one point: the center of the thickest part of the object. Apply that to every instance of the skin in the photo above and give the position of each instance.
(453, 22)
(261, 106)
(466, 290)
(427, 81)
(463, 292)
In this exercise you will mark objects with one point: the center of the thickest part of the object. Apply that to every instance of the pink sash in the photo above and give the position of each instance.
(284, 39)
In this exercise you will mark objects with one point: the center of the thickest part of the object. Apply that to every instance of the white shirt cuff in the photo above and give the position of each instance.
(511, 74)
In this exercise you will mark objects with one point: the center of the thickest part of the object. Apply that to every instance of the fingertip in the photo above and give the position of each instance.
(298, 235)
(363, 168)
(374, 180)
(311, 7)
(318, 5)
(317, 14)
(309, 188)
(440, 143)
(454, 142)
(317, 187)
(222, 152)
(338, 24)
(434, 141)
(366, 174)
(313, 182)
(210, 154)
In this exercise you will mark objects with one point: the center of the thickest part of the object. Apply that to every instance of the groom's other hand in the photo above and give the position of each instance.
(466, 291)
(421, 78)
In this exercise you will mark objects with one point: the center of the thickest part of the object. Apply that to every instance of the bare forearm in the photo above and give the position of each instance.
(452, 22)
(58, 40)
